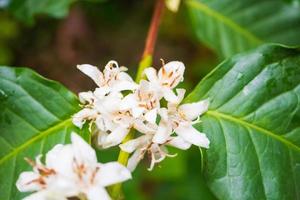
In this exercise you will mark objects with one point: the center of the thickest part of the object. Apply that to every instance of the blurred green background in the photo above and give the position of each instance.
(95, 32)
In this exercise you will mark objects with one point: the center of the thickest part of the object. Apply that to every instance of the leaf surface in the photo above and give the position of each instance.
(25, 10)
(253, 124)
(230, 26)
(35, 115)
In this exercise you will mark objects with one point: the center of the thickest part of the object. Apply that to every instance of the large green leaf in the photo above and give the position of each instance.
(25, 10)
(231, 26)
(35, 115)
(253, 124)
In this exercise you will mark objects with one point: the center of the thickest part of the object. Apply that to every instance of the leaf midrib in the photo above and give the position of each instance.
(253, 126)
(41, 135)
(225, 20)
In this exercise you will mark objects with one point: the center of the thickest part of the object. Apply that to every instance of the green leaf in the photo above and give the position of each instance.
(253, 124)
(25, 10)
(231, 26)
(35, 115)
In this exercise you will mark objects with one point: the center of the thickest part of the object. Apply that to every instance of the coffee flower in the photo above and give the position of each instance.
(156, 152)
(115, 112)
(112, 79)
(180, 119)
(69, 171)
(144, 101)
(166, 79)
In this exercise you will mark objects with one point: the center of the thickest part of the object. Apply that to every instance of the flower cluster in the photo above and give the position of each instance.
(70, 171)
(114, 114)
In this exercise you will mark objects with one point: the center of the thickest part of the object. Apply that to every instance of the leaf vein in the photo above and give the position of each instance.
(253, 126)
(34, 139)
(225, 20)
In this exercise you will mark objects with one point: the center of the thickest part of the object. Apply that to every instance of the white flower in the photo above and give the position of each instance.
(156, 152)
(113, 78)
(144, 101)
(72, 170)
(167, 78)
(180, 119)
(115, 114)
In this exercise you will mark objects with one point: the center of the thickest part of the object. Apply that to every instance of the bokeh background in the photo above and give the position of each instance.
(95, 32)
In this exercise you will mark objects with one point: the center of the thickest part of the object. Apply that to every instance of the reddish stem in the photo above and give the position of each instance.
(153, 30)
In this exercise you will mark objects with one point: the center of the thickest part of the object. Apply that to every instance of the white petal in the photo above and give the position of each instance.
(163, 112)
(83, 115)
(25, 182)
(137, 111)
(93, 72)
(96, 193)
(82, 150)
(112, 173)
(101, 92)
(128, 102)
(179, 143)
(124, 85)
(132, 145)
(151, 74)
(134, 159)
(86, 97)
(123, 76)
(151, 115)
(102, 135)
(192, 135)
(163, 133)
(193, 110)
(115, 137)
(169, 95)
(172, 73)
(145, 128)
(180, 94)
(60, 158)
(45, 195)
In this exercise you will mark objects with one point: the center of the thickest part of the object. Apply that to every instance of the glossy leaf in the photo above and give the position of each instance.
(253, 124)
(25, 10)
(35, 115)
(231, 26)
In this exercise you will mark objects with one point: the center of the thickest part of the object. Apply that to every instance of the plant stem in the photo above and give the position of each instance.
(145, 62)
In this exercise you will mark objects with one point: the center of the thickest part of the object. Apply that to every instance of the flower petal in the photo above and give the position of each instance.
(134, 159)
(128, 102)
(193, 110)
(145, 128)
(83, 151)
(169, 95)
(115, 137)
(171, 73)
(45, 195)
(151, 115)
(192, 135)
(112, 173)
(124, 85)
(26, 183)
(86, 97)
(179, 143)
(93, 72)
(163, 133)
(151, 74)
(96, 193)
(132, 145)
(83, 115)
(101, 92)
